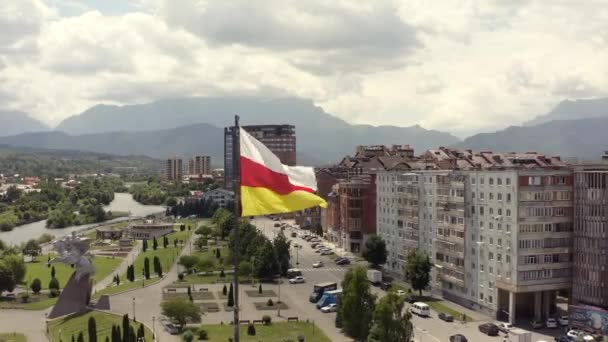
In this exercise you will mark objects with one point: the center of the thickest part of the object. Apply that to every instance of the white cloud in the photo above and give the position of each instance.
(461, 66)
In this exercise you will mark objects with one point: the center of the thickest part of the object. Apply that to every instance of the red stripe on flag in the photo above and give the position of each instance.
(259, 176)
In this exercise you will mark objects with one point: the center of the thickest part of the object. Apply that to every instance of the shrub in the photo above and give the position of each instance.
(260, 289)
(203, 335)
(36, 285)
(24, 297)
(188, 336)
(180, 276)
(251, 330)
(270, 302)
(54, 284)
(222, 274)
(225, 290)
(54, 293)
(266, 319)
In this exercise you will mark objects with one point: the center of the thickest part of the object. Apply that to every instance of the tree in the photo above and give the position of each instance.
(357, 304)
(92, 329)
(281, 247)
(132, 335)
(125, 328)
(144, 245)
(190, 293)
(217, 253)
(181, 310)
(204, 231)
(54, 284)
(225, 290)
(147, 267)
(265, 263)
(7, 280)
(375, 251)
(158, 267)
(36, 285)
(200, 242)
(131, 273)
(206, 264)
(117, 280)
(80, 337)
(171, 201)
(17, 266)
(188, 261)
(418, 270)
(141, 334)
(32, 249)
(245, 268)
(13, 193)
(231, 296)
(154, 244)
(165, 241)
(389, 322)
(175, 242)
(52, 271)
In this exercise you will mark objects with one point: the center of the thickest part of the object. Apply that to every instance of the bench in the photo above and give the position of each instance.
(244, 321)
(258, 321)
(292, 319)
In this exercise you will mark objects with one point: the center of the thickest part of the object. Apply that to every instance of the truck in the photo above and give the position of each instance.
(319, 289)
(374, 276)
(329, 297)
(519, 335)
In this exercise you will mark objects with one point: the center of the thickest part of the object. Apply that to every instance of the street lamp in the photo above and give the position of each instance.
(153, 328)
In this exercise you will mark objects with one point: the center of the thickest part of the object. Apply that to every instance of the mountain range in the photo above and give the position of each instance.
(12, 122)
(189, 126)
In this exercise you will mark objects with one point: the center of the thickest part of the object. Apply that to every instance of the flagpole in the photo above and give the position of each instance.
(236, 176)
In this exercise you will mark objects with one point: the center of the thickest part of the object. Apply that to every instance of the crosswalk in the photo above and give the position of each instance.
(328, 269)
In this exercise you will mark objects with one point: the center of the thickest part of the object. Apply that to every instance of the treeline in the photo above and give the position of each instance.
(61, 206)
(201, 208)
(58, 163)
(156, 192)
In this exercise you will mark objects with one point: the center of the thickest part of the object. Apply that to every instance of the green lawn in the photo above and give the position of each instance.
(438, 306)
(12, 337)
(63, 328)
(276, 332)
(211, 279)
(103, 267)
(167, 258)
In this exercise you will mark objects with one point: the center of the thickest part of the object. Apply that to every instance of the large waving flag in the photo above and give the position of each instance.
(269, 187)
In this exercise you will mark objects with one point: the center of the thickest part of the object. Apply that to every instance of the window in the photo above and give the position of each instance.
(499, 211)
(491, 181)
(499, 242)
(499, 181)
(472, 180)
(472, 210)
(490, 256)
(499, 226)
(490, 299)
(491, 196)
(481, 180)
(481, 267)
(508, 227)
(481, 196)
(481, 224)
(499, 196)
(481, 295)
(491, 240)
(508, 212)
(491, 211)
(508, 197)
(481, 210)
(508, 259)
(491, 270)
(498, 257)
(491, 225)
(472, 194)
(508, 181)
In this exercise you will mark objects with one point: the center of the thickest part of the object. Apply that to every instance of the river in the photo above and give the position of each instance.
(121, 202)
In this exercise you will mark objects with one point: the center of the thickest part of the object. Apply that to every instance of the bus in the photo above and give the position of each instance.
(329, 297)
(293, 272)
(319, 289)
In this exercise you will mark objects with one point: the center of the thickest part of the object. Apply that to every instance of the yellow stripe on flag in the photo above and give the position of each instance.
(263, 201)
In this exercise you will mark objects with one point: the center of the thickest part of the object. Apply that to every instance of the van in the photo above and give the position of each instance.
(420, 309)
(293, 272)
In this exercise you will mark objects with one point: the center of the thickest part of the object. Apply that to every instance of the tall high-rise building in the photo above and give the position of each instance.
(280, 139)
(199, 165)
(590, 274)
(174, 170)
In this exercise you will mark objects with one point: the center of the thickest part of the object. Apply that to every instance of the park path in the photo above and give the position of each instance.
(120, 270)
(144, 303)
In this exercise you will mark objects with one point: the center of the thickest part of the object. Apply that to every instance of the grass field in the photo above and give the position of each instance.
(276, 332)
(12, 337)
(64, 328)
(103, 267)
(167, 257)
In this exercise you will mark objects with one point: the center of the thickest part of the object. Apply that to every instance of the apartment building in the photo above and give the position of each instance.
(589, 300)
(199, 165)
(498, 228)
(280, 139)
(174, 169)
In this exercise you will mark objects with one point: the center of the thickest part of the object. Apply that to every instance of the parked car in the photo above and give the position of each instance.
(318, 264)
(314, 244)
(384, 286)
(400, 293)
(343, 261)
(294, 234)
(458, 338)
(536, 324)
(277, 225)
(297, 280)
(172, 328)
(330, 308)
(563, 320)
(573, 333)
(446, 317)
(411, 299)
(327, 252)
(551, 323)
(489, 329)
(504, 327)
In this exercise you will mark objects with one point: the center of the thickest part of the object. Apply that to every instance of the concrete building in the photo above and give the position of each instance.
(280, 139)
(589, 300)
(220, 196)
(174, 170)
(149, 229)
(199, 165)
(498, 228)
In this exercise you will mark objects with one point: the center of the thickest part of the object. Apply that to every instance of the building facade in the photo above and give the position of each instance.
(199, 165)
(221, 197)
(279, 139)
(174, 170)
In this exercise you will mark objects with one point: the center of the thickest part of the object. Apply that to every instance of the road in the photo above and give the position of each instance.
(426, 329)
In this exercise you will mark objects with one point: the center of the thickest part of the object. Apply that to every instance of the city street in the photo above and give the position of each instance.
(426, 329)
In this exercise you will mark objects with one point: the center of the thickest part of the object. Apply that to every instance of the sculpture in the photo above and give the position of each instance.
(76, 295)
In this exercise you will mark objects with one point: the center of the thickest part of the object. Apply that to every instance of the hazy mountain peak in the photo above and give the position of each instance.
(574, 109)
(14, 122)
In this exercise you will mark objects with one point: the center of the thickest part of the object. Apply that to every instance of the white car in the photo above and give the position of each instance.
(297, 280)
(504, 327)
(400, 293)
(330, 308)
(327, 252)
(563, 320)
(551, 323)
(318, 264)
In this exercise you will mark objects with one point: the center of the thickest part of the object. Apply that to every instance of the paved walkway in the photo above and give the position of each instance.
(121, 269)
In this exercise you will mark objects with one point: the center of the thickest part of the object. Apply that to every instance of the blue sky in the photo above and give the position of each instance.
(70, 8)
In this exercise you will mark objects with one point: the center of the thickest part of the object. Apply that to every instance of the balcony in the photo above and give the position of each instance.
(450, 276)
